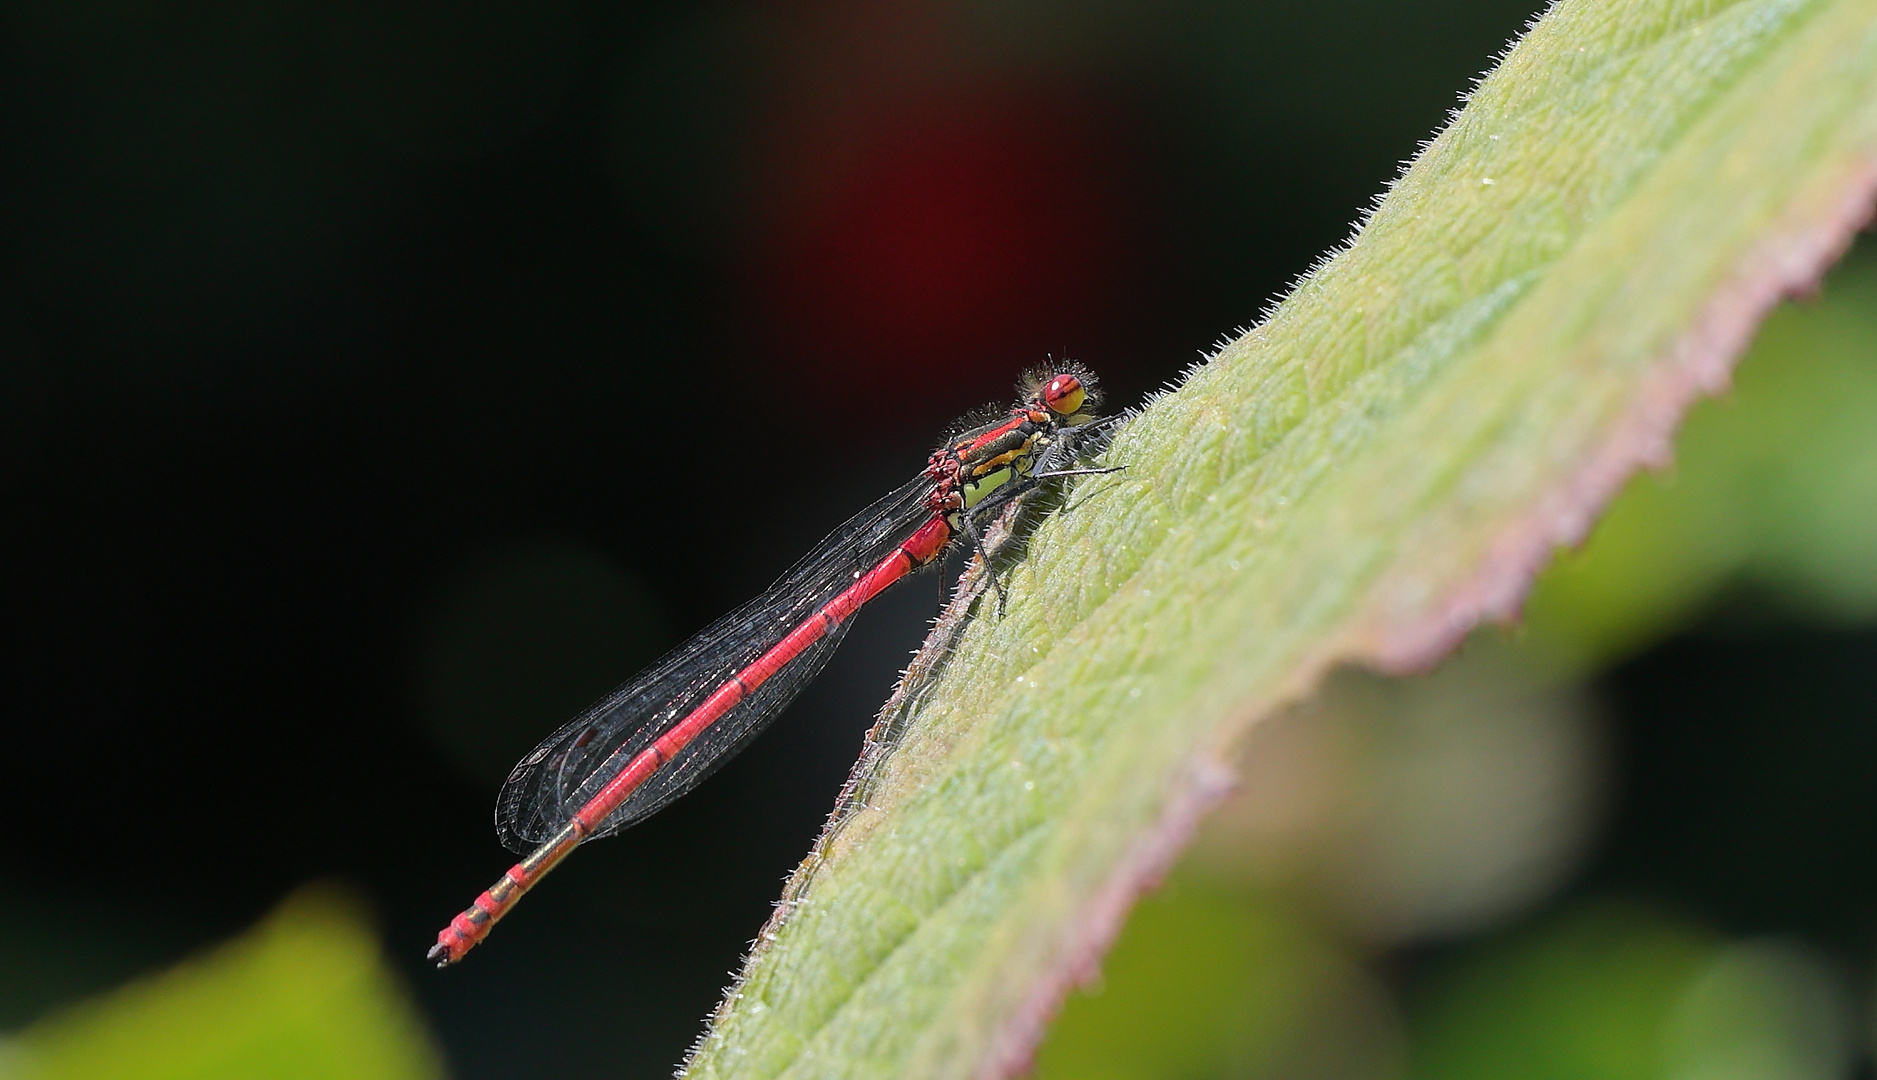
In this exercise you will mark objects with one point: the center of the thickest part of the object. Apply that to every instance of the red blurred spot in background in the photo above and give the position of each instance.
(962, 242)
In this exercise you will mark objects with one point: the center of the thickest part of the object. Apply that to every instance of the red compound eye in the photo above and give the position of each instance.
(1063, 395)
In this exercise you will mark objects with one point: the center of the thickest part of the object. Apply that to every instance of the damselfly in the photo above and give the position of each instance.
(662, 733)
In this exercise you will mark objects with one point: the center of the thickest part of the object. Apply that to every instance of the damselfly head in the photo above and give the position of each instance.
(1064, 388)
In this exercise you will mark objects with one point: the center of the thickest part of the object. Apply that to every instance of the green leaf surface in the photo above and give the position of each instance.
(1380, 465)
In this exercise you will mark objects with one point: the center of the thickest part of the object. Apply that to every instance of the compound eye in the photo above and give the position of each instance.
(1063, 395)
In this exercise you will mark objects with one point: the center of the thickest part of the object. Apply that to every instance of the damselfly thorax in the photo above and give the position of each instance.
(978, 462)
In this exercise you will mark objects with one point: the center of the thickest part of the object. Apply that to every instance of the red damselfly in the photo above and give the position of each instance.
(662, 733)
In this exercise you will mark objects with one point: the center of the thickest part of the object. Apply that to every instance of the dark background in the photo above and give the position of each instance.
(380, 382)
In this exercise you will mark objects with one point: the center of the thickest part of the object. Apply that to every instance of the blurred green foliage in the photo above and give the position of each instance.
(303, 995)
(1774, 487)
(1209, 981)
(1622, 993)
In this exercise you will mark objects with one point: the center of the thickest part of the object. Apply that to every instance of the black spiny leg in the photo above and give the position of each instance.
(984, 556)
(1016, 489)
(943, 552)
(1054, 473)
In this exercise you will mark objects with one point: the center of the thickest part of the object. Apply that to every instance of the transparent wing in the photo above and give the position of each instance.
(559, 776)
